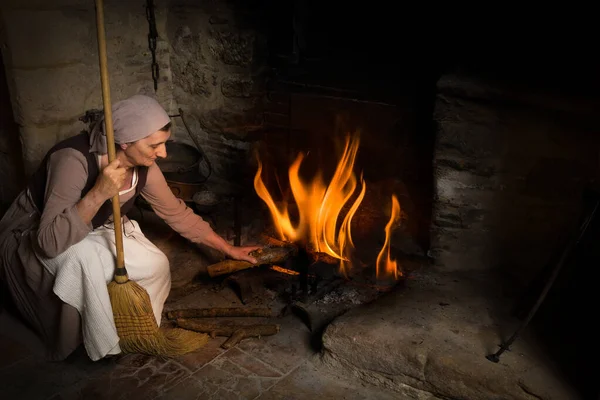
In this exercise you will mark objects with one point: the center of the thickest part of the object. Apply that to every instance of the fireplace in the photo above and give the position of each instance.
(447, 186)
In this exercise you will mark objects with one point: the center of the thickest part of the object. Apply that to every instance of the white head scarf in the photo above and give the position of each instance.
(133, 119)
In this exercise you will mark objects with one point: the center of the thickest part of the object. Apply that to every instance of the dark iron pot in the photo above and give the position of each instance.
(182, 171)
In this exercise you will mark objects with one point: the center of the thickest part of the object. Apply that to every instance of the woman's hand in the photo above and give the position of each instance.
(110, 180)
(108, 183)
(241, 253)
(237, 253)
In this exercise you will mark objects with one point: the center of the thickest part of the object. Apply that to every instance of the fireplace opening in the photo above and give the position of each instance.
(448, 141)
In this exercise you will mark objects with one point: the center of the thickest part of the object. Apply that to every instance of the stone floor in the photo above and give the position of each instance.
(284, 366)
(278, 367)
(424, 340)
(432, 338)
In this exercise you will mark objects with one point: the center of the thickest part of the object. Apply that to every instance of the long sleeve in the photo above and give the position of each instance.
(172, 210)
(60, 223)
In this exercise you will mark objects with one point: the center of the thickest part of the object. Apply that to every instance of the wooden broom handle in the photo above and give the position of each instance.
(120, 272)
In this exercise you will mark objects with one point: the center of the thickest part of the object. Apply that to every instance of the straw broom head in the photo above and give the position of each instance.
(137, 328)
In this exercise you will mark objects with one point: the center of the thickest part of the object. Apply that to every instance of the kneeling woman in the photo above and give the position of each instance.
(57, 247)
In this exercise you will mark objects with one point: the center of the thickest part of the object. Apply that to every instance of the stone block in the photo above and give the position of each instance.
(193, 78)
(507, 181)
(41, 4)
(186, 43)
(37, 141)
(53, 96)
(470, 139)
(238, 86)
(234, 118)
(433, 335)
(50, 38)
(232, 48)
(463, 187)
(476, 166)
(515, 95)
(190, 68)
(204, 7)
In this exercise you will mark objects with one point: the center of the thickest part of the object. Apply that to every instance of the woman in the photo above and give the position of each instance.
(57, 248)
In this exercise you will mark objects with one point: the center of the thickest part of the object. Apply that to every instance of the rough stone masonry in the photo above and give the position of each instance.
(209, 56)
(510, 168)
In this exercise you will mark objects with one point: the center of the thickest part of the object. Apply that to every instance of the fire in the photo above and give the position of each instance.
(386, 267)
(320, 206)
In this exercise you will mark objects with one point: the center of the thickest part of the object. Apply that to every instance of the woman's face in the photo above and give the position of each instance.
(144, 152)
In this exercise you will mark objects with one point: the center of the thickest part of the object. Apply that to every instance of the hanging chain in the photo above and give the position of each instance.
(152, 36)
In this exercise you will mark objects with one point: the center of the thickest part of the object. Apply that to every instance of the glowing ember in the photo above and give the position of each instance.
(319, 206)
(386, 267)
(284, 270)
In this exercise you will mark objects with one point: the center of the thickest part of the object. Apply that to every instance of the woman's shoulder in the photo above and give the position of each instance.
(68, 159)
(154, 172)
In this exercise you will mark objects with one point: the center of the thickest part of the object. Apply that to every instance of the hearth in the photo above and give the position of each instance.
(450, 299)
(327, 231)
(304, 282)
(342, 177)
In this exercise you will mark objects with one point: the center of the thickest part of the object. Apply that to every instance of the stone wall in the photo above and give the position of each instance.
(11, 163)
(510, 167)
(217, 60)
(51, 58)
(206, 57)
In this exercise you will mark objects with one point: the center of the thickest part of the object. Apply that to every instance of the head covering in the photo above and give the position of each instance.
(133, 119)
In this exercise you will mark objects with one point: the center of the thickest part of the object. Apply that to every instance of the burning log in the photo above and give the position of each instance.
(273, 242)
(324, 258)
(228, 266)
(264, 256)
(219, 312)
(236, 333)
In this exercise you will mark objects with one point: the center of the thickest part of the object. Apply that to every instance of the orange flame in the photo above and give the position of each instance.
(386, 267)
(319, 206)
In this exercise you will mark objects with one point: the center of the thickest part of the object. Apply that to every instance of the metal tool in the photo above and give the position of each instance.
(566, 254)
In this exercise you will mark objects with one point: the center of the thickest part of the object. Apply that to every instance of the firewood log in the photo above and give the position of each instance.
(264, 256)
(220, 312)
(236, 332)
(235, 338)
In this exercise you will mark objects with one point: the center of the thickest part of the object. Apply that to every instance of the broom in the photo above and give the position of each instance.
(134, 319)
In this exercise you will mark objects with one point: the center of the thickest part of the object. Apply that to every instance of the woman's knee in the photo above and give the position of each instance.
(161, 265)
